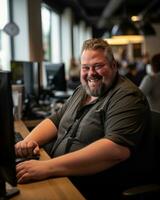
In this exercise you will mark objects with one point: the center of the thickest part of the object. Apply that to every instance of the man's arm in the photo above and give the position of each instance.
(40, 135)
(96, 157)
(43, 132)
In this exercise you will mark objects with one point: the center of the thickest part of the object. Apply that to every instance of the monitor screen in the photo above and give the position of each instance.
(55, 76)
(7, 152)
(28, 74)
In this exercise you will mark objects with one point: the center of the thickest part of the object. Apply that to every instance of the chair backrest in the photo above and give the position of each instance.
(144, 167)
(149, 186)
(149, 159)
(155, 131)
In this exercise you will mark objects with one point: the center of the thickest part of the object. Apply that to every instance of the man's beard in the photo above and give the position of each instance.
(99, 91)
(95, 92)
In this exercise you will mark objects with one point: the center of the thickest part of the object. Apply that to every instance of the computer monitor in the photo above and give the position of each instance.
(7, 152)
(55, 76)
(28, 74)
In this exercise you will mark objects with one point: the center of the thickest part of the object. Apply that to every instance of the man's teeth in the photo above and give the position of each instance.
(92, 80)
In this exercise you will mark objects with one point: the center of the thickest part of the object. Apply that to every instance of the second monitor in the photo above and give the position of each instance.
(55, 76)
(25, 86)
(26, 73)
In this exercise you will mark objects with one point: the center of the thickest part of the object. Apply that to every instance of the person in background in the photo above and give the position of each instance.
(143, 62)
(123, 62)
(142, 66)
(151, 82)
(96, 133)
(132, 73)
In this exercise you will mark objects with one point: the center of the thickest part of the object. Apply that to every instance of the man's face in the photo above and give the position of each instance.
(97, 74)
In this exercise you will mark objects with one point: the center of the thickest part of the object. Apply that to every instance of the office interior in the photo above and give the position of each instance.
(43, 33)
(53, 32)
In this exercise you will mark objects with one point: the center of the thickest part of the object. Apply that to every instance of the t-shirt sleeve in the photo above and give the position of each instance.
(126, 119)
(146, 85)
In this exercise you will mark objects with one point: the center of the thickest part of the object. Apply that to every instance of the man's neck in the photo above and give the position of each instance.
(89, 99)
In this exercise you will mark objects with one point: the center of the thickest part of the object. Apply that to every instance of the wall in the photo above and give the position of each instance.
(35, 30)
(28, 44)
(21, 41)
(152, 43)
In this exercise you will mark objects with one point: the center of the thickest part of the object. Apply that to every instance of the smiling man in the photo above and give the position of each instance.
(100, 127)
(97, 71)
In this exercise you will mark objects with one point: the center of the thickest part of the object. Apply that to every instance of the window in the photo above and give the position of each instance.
(46, 32)
(4, 38)
(51, 34)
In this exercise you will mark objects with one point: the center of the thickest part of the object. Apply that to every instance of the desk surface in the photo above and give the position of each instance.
(32, 123)
(50, 189)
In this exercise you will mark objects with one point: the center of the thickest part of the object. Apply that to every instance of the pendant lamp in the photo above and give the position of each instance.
(146, 29)
(125, 27)
(126, 30)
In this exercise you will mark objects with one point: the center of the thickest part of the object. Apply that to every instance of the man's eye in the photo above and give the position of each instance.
(85, 68)
(98, 66)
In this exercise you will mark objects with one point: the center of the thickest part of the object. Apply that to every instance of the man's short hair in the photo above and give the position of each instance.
(96, 44)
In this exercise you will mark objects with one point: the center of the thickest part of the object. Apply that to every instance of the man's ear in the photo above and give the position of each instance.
(114, 65)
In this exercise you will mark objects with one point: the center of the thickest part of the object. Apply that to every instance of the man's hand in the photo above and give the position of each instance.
(26, 148)
(32, 170)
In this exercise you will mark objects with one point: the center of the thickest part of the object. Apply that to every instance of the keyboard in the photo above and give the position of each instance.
(33, 157)
(18, 137)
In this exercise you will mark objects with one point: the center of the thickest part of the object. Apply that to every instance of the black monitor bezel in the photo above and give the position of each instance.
(36, 89)
(59, 82)
(7, 161)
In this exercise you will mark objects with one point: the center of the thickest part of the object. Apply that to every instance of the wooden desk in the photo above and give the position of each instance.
(32, 123)
(50, 189)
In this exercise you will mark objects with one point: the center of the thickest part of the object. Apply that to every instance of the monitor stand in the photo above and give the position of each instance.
(7, 191)
(2, 189)
(11, 190)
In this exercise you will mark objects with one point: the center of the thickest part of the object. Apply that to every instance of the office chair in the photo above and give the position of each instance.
(149, 190)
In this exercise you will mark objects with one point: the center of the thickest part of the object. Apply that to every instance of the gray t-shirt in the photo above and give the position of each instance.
(150, 87)
(120, 115)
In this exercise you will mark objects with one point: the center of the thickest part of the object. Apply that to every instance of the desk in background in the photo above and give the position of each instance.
(50, 189)
(30, 124)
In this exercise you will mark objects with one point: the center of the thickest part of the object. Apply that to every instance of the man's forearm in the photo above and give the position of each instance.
(94, 158)
(43, 132)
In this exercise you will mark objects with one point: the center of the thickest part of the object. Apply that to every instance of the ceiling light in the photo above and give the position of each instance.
(123, 40)
(136, 18)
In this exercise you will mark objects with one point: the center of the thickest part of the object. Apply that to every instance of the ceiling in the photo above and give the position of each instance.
(102, 14)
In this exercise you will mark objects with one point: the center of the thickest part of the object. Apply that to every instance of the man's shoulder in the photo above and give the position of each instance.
(124, 85)
(125, 90)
